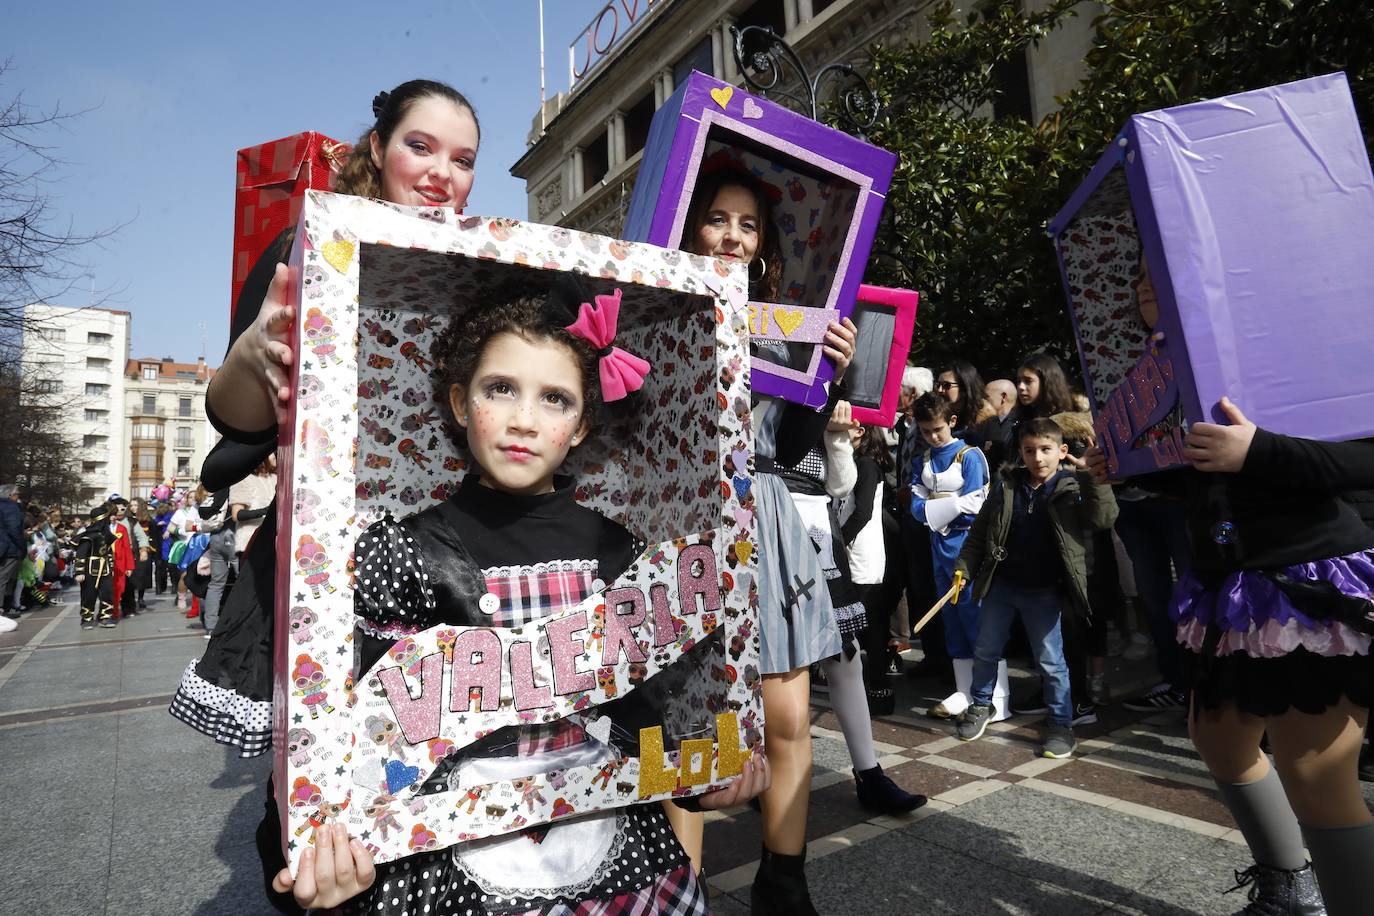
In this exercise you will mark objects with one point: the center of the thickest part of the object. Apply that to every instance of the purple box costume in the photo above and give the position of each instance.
(1251, 215)
(831, 190)
(1249, 210)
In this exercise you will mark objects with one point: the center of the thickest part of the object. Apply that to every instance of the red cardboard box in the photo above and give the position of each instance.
(272, 179)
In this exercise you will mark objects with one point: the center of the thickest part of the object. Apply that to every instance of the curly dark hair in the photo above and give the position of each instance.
(458, 349)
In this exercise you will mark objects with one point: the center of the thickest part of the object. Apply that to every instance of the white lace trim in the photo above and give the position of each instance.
(581, 889)
(1274, 639)
(390, 631)
(506, 572)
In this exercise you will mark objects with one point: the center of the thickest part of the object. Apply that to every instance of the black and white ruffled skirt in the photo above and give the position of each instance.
(227, 694)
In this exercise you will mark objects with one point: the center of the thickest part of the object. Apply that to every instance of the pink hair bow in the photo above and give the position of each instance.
(621, 372)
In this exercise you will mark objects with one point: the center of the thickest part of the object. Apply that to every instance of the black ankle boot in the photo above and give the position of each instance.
(1276, 892)
(878, 793)
(780, 886)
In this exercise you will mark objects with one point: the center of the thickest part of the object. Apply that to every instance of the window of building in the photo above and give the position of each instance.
(90, 467)
(699, 58)
(93, 441)
(97, 362)
(147, 431)
(143, 491)
(183, 407)
(150, 373)
(595, 161)
(54, 335)
(97, 416)
(49, 386)
(184, 437)
(1011, 77)
(96, 337)
(148, 461)
(183, 466)
(150, 403)
(637, 121)
(96, 390)
(766, 14)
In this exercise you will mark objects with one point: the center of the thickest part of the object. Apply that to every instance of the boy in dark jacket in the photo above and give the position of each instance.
(1024, 555)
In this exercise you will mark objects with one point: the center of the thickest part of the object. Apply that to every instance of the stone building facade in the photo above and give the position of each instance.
(584, 147)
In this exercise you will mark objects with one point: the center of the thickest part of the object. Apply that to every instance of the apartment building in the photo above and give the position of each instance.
(164, 410)
(76, 357)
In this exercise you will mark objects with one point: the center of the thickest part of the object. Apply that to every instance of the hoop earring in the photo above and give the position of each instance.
(763, 271)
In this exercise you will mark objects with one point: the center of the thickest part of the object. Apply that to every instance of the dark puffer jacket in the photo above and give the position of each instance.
(12, 541)
(1078, 506)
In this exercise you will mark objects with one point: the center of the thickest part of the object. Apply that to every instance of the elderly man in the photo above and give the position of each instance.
(13, 544)
(996, 433)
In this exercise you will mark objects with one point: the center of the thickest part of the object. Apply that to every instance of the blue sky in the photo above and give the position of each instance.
(176, 88)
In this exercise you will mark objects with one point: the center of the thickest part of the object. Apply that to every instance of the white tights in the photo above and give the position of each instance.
(850, 702)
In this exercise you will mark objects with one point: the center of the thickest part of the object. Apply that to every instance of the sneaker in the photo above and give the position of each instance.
(1138, 649)
(1059, 742)
(1084, 714)
(1158, 698)
(7, 625)
(1030, 705)
(108, 624)
(88, 624)
(895, 666)
(207, 636)
(972, 722)
(1116, 643)
(879, 794)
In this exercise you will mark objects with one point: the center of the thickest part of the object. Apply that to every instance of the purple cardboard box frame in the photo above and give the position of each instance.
(1255, 215)
(832, 186)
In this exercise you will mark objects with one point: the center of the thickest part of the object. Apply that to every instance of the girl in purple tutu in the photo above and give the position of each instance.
(1276, 617)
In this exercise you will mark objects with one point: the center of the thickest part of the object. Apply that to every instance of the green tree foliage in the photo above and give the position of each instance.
(973, 194)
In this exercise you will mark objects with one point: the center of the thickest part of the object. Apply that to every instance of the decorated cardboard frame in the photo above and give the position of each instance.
(365, 438)
(831, 188)
(885, 318)
(1254, 213)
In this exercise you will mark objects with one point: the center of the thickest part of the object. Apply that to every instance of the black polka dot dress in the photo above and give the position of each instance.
(490, 559)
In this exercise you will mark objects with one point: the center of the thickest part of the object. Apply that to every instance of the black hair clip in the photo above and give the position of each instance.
(379, 103)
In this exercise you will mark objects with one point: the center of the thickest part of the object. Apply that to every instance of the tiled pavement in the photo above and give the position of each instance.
(111, 806)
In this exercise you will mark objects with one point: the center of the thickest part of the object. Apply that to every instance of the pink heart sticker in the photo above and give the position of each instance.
(751, 110)
(737, 297)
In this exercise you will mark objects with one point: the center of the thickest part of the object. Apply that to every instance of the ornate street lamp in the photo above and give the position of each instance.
(761, 54)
